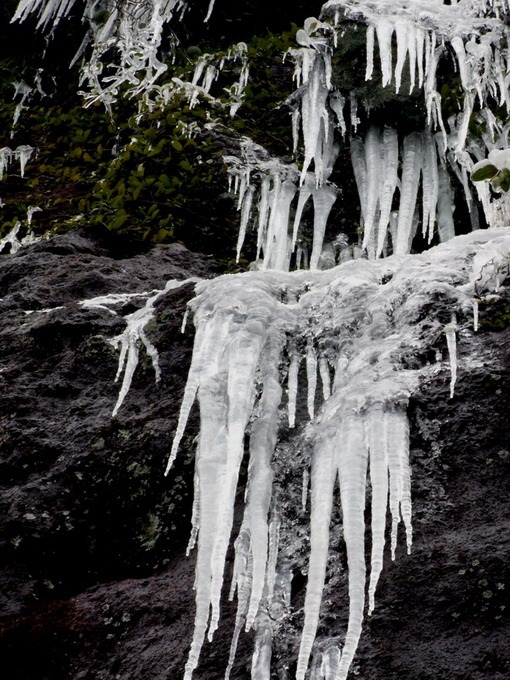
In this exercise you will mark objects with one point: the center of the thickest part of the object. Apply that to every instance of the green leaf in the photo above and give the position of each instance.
(482, 172)
(118, 222)
(177, 145)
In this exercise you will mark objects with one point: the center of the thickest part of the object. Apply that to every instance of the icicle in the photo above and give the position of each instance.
(412, 30)
(323, 200)
(311, 376)
(445, 206)
(412, 164)
(359, 166)
(295, 360)
(263, 437)
(195, 514)
(304, 488)
(204, 358)
(352, 459)
(476, 310)
(263, 209)
(400, 476)
(354, 112)
(402, 35)
(242, 580)
(185, 320)
(377, 437)
(244, 347)
(245, 216)
(384, 30)
(323, 481)
(373, 166)
(325, 377)
(389, 184)
(430, 186)
(451, 340)
(278, 244)
(261, 662)
(370, 51)
(305, 191)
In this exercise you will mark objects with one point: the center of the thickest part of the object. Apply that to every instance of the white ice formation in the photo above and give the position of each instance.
(368, 326)
(388, 167)
(21, 153)
(134, 335)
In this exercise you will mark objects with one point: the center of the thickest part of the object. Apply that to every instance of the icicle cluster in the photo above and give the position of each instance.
(134, 334)
(132, 30)
(376, 163)
(476, 37)
(22, 154)
(207, 69)
(356, 326)
(277, 194)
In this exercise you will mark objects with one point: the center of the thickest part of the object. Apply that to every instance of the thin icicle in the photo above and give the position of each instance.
(377, 437)
(476, 311)
(185, 320)
(451, 341)
(311, 377)
(292, 383)
(323, 199)
(370, 51)
(374, 176)
(304, 488)
(245, 216)
(325, 377)
(384, 30)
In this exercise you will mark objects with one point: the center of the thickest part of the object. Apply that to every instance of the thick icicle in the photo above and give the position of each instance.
(323, 200)
(352, 461)
(389, 184)
(373, 166)
(323, 482)
(412, 164)
(262, 444)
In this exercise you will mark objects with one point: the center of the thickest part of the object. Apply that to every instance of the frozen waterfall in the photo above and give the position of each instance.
(365, 323)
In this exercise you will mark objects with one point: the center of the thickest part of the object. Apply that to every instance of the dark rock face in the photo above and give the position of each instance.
(94, 582)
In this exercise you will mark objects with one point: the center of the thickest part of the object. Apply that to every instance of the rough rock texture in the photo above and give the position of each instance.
(94, 582)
